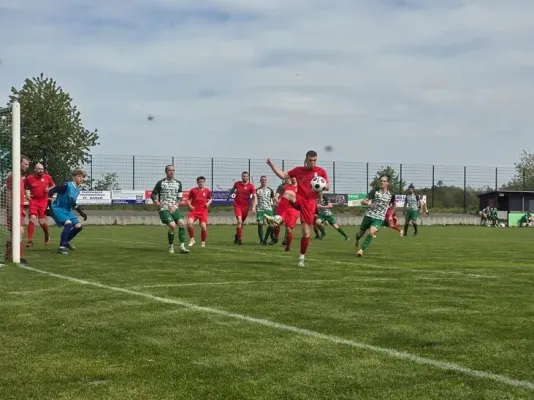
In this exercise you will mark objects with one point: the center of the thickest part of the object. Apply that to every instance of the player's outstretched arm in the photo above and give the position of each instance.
(279, 173)
(231, 192)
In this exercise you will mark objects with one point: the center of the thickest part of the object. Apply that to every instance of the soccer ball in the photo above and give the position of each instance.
(318, 183)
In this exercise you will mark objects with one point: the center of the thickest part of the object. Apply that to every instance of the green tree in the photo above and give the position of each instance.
(396, 185)
(109, 181)
(52, 131)
(524, 173)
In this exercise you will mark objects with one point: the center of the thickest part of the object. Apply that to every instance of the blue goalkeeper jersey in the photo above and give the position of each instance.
(67, 196)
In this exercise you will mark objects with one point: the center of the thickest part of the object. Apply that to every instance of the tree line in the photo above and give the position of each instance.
(53, 133)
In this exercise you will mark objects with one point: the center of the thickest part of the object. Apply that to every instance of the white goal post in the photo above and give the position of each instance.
(15, 193)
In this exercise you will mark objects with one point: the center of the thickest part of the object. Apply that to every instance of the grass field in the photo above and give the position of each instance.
(446, 315)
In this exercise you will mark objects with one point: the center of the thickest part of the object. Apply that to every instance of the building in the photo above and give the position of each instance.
(512, 204)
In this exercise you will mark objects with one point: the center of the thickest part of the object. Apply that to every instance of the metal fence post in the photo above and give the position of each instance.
(172, 161)
(367, 178)
(400, 179)
(249, 171)
(496, 178)
(212, 177)
(91, 169)
(133, 172)
(283, 165)
(334, 176)
(433, 192)
(465, 189)
(524, 179)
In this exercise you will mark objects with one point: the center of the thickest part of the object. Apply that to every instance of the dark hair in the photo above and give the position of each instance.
(311, 153)
(201, 178)
(168, 166)
(263, 176)
(23, 157)
(244, 173)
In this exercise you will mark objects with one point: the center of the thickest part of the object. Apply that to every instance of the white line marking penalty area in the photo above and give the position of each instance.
(392, 353)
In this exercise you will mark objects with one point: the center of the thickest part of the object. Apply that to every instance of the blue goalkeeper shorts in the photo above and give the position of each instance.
(61, 216)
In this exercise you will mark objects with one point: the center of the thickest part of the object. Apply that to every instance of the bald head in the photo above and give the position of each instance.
(39, 169)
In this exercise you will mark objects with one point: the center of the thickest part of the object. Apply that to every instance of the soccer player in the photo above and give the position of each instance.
(324, 209)
(167, 195)
(391, 220)
(306, 196)
(526, 219)
(198, 202)
(61, 210)
(274, 233)
(38, 183)
(243, 191)
(412, 204)
(265, 196)
(24, 165)
(286, 212)
(379, 201)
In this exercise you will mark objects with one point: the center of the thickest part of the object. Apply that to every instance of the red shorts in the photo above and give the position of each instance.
(38, 209)
(307, 210)
(290, 217)
(241, 211)
(391, 218)
(201, 216)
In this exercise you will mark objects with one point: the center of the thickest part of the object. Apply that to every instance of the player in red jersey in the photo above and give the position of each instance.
(24, 165)
(243, 191)
(286, 213)
(306, 196)
(391, 220)
(38, 183)
(198, 201)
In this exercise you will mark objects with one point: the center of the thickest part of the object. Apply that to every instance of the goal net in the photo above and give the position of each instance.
(10, 161)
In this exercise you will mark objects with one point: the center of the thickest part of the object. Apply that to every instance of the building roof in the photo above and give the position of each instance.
(506, 192)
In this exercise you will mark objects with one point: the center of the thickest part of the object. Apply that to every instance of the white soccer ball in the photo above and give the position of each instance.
(318, 183)
(502, 225)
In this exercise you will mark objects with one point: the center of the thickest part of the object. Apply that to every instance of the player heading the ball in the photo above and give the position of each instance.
(306, 195)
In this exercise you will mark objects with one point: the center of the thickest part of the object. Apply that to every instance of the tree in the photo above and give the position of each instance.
(52, 131)
(396, 185)
(524, 173)
(109, 181)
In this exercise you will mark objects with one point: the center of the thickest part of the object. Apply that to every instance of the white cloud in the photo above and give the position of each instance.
(402, 81)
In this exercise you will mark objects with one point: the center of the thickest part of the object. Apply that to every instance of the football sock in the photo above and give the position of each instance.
(304, 242)
(74, 232)
(269, 232)
(239, 233)
(340, 230)
(44, 227)
(31, 230)
(276, 232)
(406, 226)
(181, 235)
(415, 228)
(367, 241)
(170, 237)
(191, 232)
(321, 229)
(203, 234)
(315, 230)
(65, 234)
(289, 240)
(260, 232)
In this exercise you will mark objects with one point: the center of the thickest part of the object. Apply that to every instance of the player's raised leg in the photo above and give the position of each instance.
(191, 218)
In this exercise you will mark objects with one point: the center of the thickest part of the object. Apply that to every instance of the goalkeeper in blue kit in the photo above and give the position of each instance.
(61, 209)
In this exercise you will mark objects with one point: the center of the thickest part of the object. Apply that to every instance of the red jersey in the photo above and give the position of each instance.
(304, 177)
(10, 187)
(243, 191)
(199, 199)
(37, 186)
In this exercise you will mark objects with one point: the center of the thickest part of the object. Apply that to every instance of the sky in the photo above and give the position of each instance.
(383, 81)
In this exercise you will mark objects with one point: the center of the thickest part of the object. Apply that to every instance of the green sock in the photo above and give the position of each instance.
(269, 233)
(321, 228)
(406, 228)
(367, 241)
(181, 235)
(414, 228)
(340, 230)
(260, 232)
(170, 237)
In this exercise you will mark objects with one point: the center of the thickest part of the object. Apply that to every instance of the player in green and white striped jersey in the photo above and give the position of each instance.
(378, 201)
(411, 210)
(324, 209)
(264, 206)
(167, 195)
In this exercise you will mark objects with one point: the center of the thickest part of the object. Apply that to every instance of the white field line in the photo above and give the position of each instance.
(296, 281)
(356, 262)
(392, 353)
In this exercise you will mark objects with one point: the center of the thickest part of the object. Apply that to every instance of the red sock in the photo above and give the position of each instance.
(31, 230)
(276, 232)
(304, 242)
(289, 239)
(203, 234)
(191, 231)
(239, 233)
(45, 230)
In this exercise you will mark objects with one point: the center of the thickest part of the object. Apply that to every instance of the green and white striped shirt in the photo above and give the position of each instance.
(382, 201)
(265, 198)
(169, 193)
(323, 201)
(412, 202)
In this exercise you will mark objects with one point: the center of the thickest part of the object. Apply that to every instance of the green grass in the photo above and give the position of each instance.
(458, 295)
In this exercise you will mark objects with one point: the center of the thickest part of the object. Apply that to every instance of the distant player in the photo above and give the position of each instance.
(167, 195)
(24, 165)
(412, 204)
(378, 201)
(264, 208)
(286, 212)
(526, 220)
(61, 210)
(198, 201)
(243, 190)
(324, 214)
(391, 220)
(306, 196)
(38, 183)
